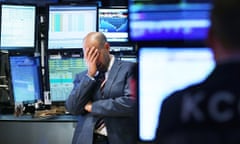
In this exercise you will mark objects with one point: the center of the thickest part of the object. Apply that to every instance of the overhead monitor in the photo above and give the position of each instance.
(163, 71)
(62, 69)
(69, 24)
(18, 27)
(151, 22)
(129, 58)
(113, 22)
(35, 2)
(122, 48)
(26, 78)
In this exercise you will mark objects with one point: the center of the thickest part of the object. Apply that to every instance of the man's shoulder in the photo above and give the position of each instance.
(80, 74)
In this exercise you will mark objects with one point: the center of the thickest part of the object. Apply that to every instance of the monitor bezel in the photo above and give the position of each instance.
(77, 53)
(21, 48)
(75, 4)
(169, 42)
(4, 57)
(40, 74)
(115, 8)
(184, 47)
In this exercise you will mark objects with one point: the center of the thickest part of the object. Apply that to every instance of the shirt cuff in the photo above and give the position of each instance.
(92, 78)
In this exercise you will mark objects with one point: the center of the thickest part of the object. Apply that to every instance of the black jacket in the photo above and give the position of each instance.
(208, 112)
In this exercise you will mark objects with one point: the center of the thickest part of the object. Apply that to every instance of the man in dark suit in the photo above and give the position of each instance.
(209, 112)
(109, 101)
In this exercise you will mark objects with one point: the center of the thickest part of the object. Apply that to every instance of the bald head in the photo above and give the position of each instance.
(98, 39)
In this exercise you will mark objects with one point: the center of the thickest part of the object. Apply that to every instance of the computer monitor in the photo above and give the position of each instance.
(122, 48)
(18, 27)
(113, 22)
(35, 2)
(26, 78)
(129, 58)
(163, 71)
(185, 23)
(62, 69)
(69, 24)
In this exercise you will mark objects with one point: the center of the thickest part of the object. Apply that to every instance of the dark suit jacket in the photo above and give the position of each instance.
(207, 112)
(117, 106)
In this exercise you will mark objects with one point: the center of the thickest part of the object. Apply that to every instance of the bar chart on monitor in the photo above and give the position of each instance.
(69, 24)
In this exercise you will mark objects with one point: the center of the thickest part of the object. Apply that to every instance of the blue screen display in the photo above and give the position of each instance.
(168, 22)
(113, 22)
(25, 78)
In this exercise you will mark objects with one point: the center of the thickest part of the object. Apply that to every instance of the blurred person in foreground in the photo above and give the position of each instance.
(102, 96)
(209, 112)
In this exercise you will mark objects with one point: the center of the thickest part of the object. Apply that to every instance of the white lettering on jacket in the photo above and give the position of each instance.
(191, 111)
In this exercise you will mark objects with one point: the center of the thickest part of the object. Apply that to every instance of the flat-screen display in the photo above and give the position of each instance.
(62, 69)
(18, 26)
(69, 24)
(129, 58)
(35, 2)
(113, 22)
(26, 78)
(153, 22)
(122, 48)
(163, 71)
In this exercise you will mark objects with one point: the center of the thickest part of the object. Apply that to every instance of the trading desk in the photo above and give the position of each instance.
(28, 130)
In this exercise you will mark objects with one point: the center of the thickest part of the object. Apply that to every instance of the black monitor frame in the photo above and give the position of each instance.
(64, 53)
(114, 10)
(6, 96)
(156, 37)
(26, 47)
(40, 74)
(77, 45)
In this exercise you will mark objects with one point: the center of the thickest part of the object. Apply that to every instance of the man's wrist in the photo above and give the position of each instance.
(92, 78)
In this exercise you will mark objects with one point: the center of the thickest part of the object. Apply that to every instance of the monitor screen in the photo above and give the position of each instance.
(62, 70)
(153, 22)
(129, 58)
(69, 24)
(36, 2)
(18, 26)
(26, 78)
(122, 48)
(113, 22)
(163, 71)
